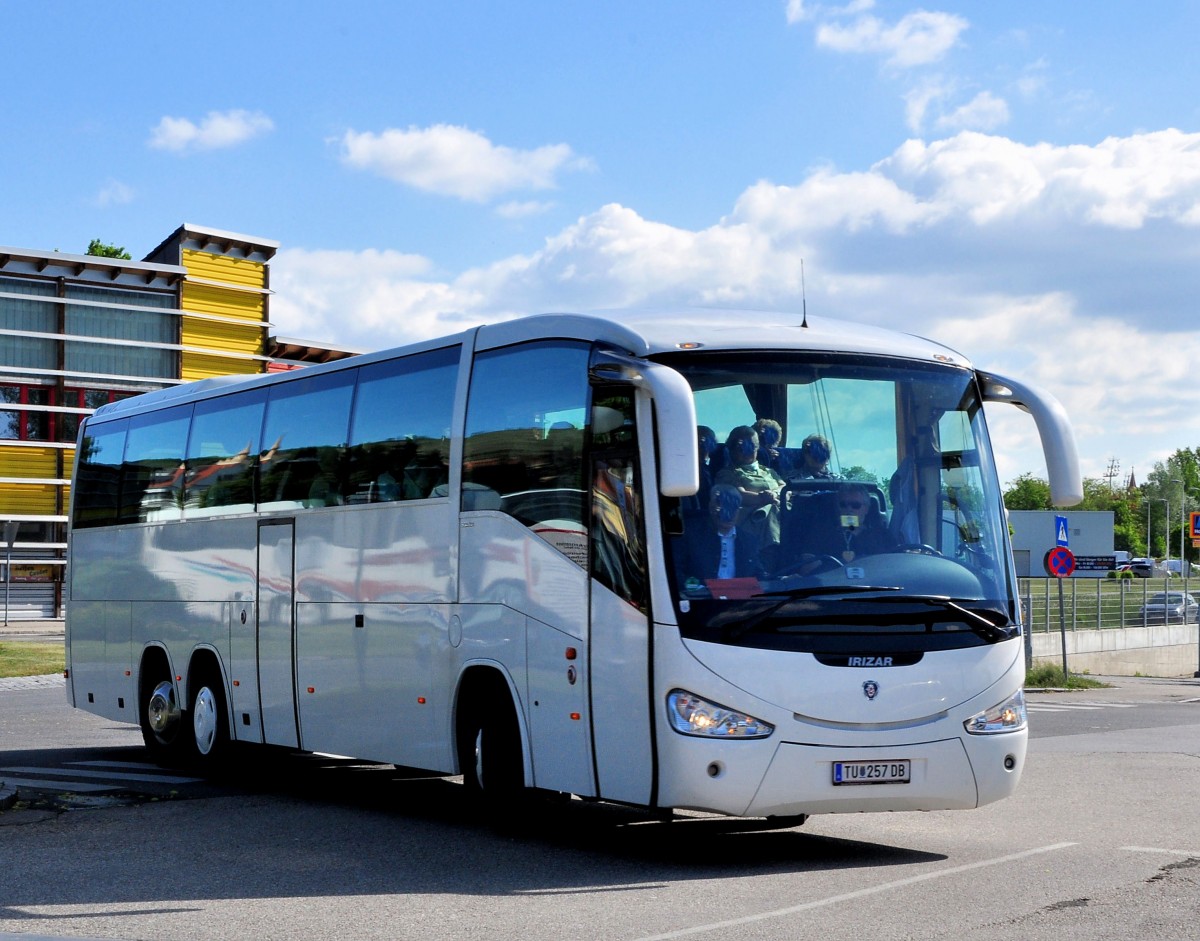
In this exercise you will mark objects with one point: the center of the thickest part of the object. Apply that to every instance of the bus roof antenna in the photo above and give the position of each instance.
(803, 298)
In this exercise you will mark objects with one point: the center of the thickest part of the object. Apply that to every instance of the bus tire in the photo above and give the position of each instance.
(164, 729)
(489, 749)
(209, 722)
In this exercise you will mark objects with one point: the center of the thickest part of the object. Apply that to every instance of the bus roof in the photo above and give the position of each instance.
(668, 330)
(641, 332)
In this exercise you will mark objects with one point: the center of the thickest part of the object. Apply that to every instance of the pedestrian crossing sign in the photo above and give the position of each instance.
(1060, 531)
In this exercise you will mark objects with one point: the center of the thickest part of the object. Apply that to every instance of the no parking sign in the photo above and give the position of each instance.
(1059, 562)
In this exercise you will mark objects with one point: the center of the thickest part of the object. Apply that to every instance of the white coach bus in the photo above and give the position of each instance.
(571, 553)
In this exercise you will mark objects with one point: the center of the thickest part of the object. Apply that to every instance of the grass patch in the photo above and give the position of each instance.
(26, 658)
(1049, 676)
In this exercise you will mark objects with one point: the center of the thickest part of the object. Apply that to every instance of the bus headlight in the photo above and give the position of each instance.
(693, 715)
(1008, 716)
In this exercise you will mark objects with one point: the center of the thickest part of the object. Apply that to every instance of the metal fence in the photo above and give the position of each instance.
(1094, 603)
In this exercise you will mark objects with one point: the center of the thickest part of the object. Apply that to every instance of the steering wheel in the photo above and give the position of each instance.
(919, 548)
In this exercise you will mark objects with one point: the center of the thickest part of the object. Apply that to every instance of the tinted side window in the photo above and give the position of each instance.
(98, 480)
(304, 441)
(222, 452)
(526, 422)
(400, 434)
(152, 478)
(618, 522)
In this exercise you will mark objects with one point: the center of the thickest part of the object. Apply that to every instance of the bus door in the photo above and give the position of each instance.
(620, 634)
(277, 631)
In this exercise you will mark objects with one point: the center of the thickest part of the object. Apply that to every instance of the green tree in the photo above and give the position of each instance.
(1033, 493)
(1027, 493)
(104, 250)
(858, 472)
(1170, 492)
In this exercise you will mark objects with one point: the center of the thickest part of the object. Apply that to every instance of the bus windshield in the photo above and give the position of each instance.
(839, 496)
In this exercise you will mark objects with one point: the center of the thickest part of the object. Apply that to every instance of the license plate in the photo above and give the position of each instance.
(872, 772)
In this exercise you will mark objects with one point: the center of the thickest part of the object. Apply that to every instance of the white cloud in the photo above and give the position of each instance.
(1121, 182)
(918, 101)
(369, 299)
(456, 161)
(919, 38)
(984, 112)
(113, 193)
(218, 129)
(799, 10)
(930, 99)
(1067, 266)
(796, 11)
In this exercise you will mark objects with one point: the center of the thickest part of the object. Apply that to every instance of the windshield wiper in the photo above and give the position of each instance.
(733, 631)
(987, 629)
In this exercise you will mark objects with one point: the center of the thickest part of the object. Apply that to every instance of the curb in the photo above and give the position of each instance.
(8, 796)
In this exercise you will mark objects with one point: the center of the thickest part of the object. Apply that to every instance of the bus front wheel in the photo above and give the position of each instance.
(489, 750)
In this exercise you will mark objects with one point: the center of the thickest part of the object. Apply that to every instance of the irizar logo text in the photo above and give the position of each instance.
(869, 661)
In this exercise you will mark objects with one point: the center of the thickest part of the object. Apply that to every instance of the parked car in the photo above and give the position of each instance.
(1170, 606)
(1142, 568)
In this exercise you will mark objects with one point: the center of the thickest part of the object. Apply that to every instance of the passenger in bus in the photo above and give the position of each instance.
(428, 468)
(759, 486)
(864, 530)
(814, 453)
(770, 447)
(714, 546)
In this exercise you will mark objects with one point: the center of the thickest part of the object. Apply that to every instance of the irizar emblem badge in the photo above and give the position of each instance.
(870, 689)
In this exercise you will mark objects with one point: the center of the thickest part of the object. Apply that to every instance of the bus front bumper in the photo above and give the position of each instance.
(946, 774)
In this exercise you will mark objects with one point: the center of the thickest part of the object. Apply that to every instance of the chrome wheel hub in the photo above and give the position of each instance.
(204, 720)
(163, 710)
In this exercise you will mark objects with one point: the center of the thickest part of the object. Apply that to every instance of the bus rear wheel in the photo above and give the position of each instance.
(162, 721)
(210, 723)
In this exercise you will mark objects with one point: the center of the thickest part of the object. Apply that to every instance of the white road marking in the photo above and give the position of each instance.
(850, 896)
(1188, 854)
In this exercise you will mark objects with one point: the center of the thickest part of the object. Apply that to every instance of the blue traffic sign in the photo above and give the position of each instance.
(1060, 531)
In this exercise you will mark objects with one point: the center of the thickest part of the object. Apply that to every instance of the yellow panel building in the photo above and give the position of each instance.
(78, 331)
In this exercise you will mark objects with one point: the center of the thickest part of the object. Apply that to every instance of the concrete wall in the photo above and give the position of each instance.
(1160, 650)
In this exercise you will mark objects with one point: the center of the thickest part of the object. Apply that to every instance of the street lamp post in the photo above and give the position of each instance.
(1182, 503)
(11, 527)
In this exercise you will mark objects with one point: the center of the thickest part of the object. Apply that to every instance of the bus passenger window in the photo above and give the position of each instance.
(400, 432)
(304, 441)
(98, 480)
(152, 476)
(526, 424)
(222, 451)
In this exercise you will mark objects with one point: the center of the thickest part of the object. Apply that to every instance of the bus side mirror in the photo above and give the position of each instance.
(674, 412)
(1058, 440)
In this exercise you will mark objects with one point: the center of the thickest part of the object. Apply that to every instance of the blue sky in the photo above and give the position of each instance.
(1019, 180)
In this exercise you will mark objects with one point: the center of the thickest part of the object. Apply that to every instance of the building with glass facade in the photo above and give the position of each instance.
(77, 331)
